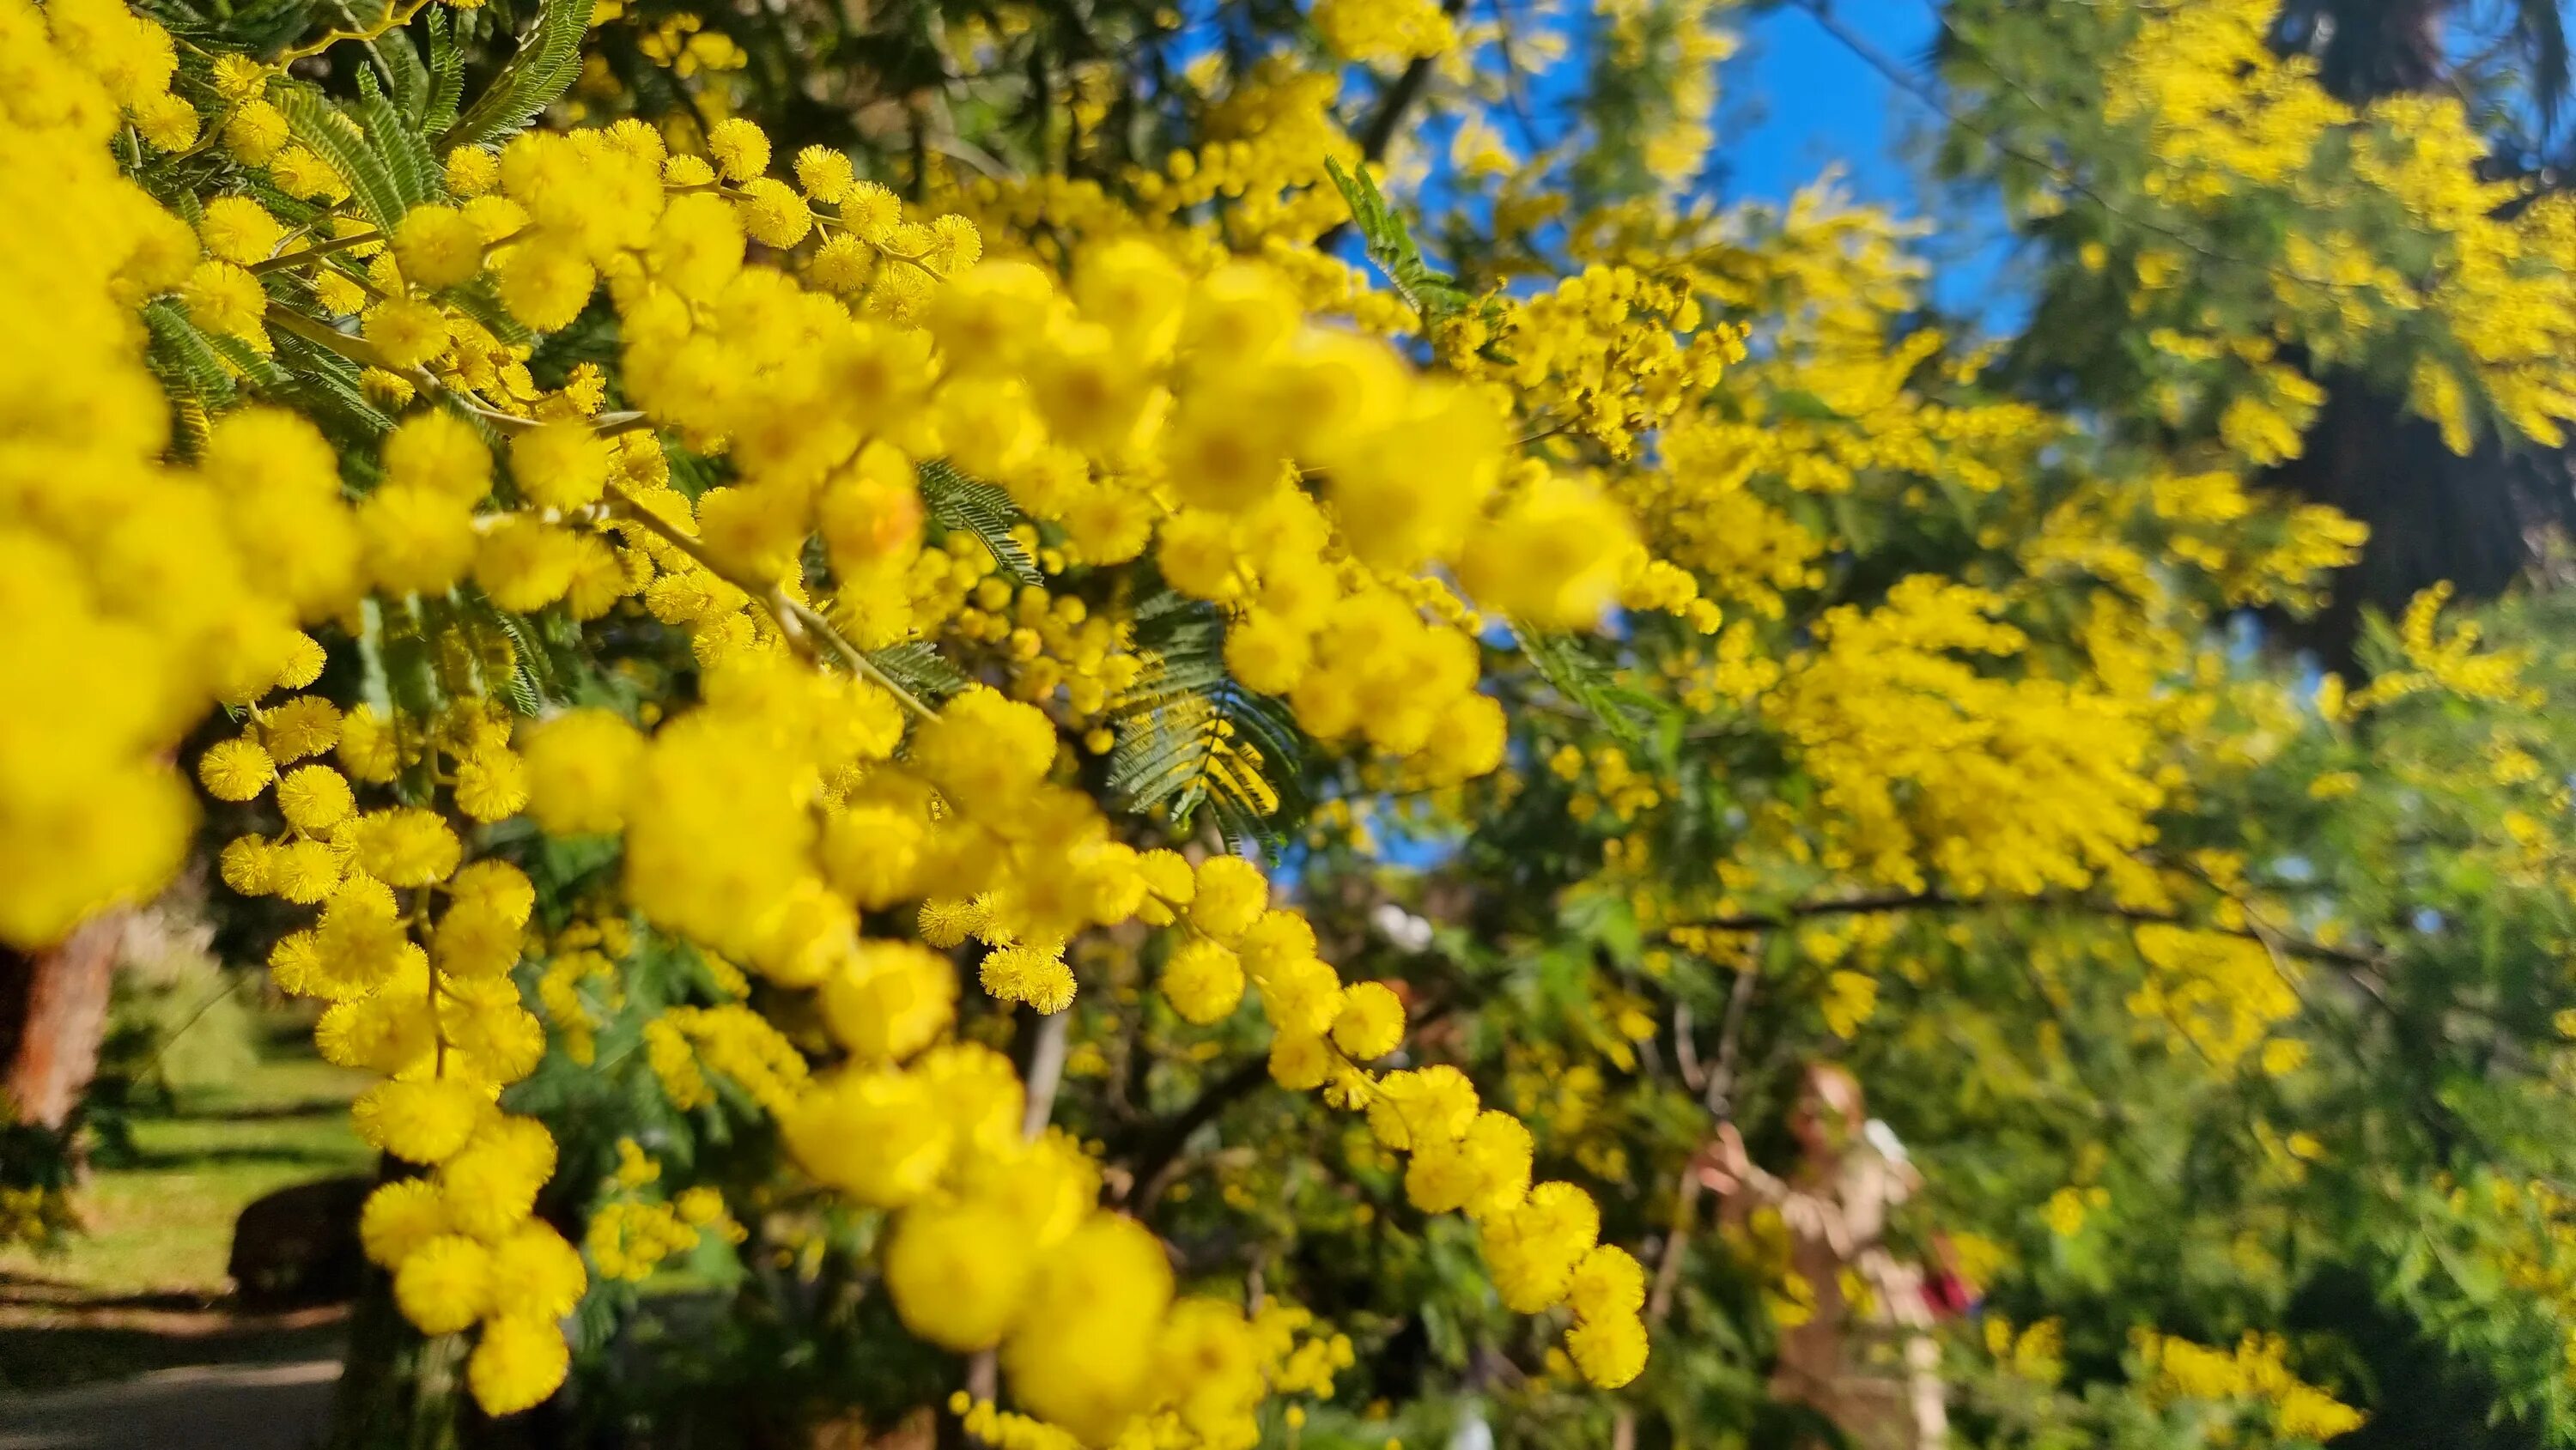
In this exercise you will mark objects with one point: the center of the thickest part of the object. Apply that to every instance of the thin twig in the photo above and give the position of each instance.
(1935, 901)
(801, 623)
(395, 19)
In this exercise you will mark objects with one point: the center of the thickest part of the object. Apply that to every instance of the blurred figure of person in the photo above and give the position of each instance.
(1871, 1368)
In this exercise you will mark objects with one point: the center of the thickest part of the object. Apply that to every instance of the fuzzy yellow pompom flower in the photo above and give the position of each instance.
(520, 1360)
(438, 246)
(1610, 1352)
(490, 1185)
(236, 770)
(773, 214)
(369, 750)
(419, 1122)
(408, 332)
(1371, 1022)
(400, 1217)
(407, 846)
(525, 563)
(256, 132)
(419, 540)
(444, 1285)
(491, 785)
(314, 798)
(1203, 980)
(238, 229)
(1231, 895)
(958, 1273)
(472, 170)
(581, 766)
(544, 286)
(439, 451)
(560, 465)
(237, 78)
(740, 148)
(300, 728)
(167, 121)
(825, 174)
(224, 298)
(537, 1273)
(889, 1000)
(247, 865)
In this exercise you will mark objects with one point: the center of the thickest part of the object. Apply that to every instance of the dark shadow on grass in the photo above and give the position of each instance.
(56, 1357)
(156, 1160)
(216, 1112)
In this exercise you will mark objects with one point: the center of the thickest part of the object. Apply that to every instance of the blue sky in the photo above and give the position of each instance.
(1798, 100)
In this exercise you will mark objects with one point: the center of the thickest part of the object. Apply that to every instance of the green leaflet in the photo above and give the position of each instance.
(549, 59)
(186, 360)
(446, 75)
(1189, 735)
(1434, 296)
(919, 668)
(416, 174)
(345, 147)
(981, 509)
(1584, 682)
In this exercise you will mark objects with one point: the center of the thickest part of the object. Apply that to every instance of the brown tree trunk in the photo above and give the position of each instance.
(53, 1015)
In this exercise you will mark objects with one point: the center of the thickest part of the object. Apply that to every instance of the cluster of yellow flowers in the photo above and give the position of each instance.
(762, 823)
(1384, 31)
(2222, 992)
(2254, 1374)
(2449, 662)
(2013, 785)
(2226, 117)
(160, 590)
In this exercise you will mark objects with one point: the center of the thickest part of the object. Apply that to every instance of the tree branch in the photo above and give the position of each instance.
(2342, 957)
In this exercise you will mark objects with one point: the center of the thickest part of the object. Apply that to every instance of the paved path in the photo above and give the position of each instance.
(205, 1407)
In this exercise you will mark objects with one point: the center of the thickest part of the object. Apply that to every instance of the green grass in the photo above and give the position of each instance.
(159, 1219)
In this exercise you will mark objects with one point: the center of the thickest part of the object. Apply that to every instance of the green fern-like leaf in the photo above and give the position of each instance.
(1432, 294)
(405, 73)
(1190, 736)
(919, 668)
(548, 60)
(446, 75)
(186, 361)
(981, 509)
(343, 145)
(416, 174)
(1585, 682)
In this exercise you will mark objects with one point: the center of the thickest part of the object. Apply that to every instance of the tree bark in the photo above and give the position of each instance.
(53, 1016)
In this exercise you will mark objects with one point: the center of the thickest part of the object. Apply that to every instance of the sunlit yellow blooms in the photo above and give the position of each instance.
(406, 332)
(958, 1273)
(399, 1219)
(438, 246)
(1394, 31)
(889, 1000)
(238, 229)
(2254, 1372)
(445, 1285)
(423, 1122)
(235, 770)
(874, 1135)
(1230, 893)
(560, 465)
(314, 797)
(519, 1361)
(1370, 1023)
(740, 149)
(1203, 980)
